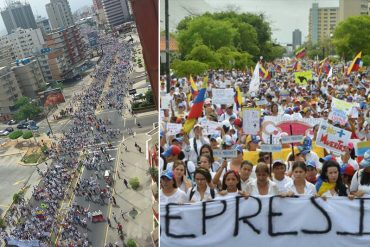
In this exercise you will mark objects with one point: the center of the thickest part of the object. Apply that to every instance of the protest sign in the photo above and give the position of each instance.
(173, 129)
(291, 139)
(251, 121)
(261, 102)
(222, 96)
(271, 148)
(332, 138)
(302, 77)
(166, 102)
(225, 153)
(338, 116)
(210, 128)
(255, 82)
(342, 105)
(267, 221)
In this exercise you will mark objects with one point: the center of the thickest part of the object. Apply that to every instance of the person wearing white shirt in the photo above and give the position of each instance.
(203, 189)
(262, 185)
(360, 184)
(245, 172)
(300, 186)
(169, 192)
(193, 145)
(279, 177)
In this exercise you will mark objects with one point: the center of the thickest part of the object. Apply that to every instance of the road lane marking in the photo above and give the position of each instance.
(19, 181)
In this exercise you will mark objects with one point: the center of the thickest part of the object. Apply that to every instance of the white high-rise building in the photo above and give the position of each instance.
(23, 42)
(116, 12)
(59, 13)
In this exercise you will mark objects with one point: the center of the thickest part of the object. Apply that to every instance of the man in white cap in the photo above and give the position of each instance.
(192, 146)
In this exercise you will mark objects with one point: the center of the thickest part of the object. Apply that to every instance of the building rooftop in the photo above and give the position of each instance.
(173, 43)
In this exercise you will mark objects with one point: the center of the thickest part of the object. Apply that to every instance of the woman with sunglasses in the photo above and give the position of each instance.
(203, 189)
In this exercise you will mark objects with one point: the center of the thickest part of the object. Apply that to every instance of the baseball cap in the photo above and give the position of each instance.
(347, 170)
(238, 148)
(327, 158)
(172, 150)
(253, 138)
(178, 139)
(311, 163)
(214, 137)
(366, 161)
(168, 174)
(181, 104)
(197, 125)
(278, 162)
(238, 122)
(226, 123)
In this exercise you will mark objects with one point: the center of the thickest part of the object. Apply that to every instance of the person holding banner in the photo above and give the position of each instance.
(203, 189)
(300, 186)
(169, 192)
(360, 185)
(262, 185)
(180, 172)
(330, 182)
(231, 185)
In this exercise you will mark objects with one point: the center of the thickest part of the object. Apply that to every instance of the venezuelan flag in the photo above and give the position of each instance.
(196, 109)
(194, 88)
(321, 65)
(264, 73)
(362, 147)
(355, 65)
(300, 53)
(238, 97)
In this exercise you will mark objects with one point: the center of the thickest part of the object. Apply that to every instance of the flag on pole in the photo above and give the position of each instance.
(194, 88)
(300, 53)
(196, 109)
(255, 82)
(264, 73)
(355, 65)
(330, 73)
(238, 97)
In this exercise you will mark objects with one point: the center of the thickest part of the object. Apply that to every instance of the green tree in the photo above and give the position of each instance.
(16, 134)
(149, 97)
(352, 36)
(185, 68)
(27, 135)
(231, 58)
(29, 110)
(206, 30)
(204, 54)
(366, 60)
(21, 102)
(131, 243)
(134, 183)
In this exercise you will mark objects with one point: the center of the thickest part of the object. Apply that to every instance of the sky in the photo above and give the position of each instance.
(38, 8)
(284, 15)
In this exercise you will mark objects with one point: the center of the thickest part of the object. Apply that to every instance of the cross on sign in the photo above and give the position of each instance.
(341, 133)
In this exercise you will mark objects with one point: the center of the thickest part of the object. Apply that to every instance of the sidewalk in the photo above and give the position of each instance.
(140, 226)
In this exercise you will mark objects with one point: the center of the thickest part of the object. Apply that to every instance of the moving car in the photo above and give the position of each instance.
(22, 125)
(4, 133)
(9, 129)
(11, 122)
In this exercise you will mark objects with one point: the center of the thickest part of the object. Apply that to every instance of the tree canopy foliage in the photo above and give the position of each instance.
(225, 40)
(352, 36)
(185, 68)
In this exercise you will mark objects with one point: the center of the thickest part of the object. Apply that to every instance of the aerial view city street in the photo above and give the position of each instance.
(79, 125)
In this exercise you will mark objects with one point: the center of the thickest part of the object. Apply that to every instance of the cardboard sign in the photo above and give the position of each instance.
(166, 102)
(291, 139)
(210, 128)
(173, 129)
(251, 121)
(302, 77)
(333, 138)
(225, 153)
(338, 116)
(222, 96)
(261, 102)
(271, 148)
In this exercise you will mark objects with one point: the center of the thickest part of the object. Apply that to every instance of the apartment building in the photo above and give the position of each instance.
(322, 22)
(59, 13)
(9, 92)
(18, 15)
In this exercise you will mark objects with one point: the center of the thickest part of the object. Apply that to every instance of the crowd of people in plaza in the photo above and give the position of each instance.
(197, 129)
(85, 143)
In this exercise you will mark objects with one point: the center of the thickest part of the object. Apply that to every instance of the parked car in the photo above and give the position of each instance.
(32, 127)
(9, 129)
(22, 125)
(11, 122)
(4, 133)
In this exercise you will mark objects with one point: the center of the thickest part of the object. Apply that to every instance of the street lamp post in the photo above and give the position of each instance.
(47, 120)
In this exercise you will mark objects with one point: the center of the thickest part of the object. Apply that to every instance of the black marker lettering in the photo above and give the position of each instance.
(361, 225)
(245, 218)
(206, 217)
(168, 218)
(326, 215)
(270, 226)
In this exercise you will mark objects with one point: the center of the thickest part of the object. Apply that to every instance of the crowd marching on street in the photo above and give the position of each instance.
(256, 115)
(84, 144)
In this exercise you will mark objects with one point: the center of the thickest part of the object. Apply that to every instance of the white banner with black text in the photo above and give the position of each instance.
(267, 221)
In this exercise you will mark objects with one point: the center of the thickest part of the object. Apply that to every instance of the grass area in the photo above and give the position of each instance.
(32, 158)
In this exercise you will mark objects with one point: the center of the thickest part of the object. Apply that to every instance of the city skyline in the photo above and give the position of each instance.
(38, 8)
